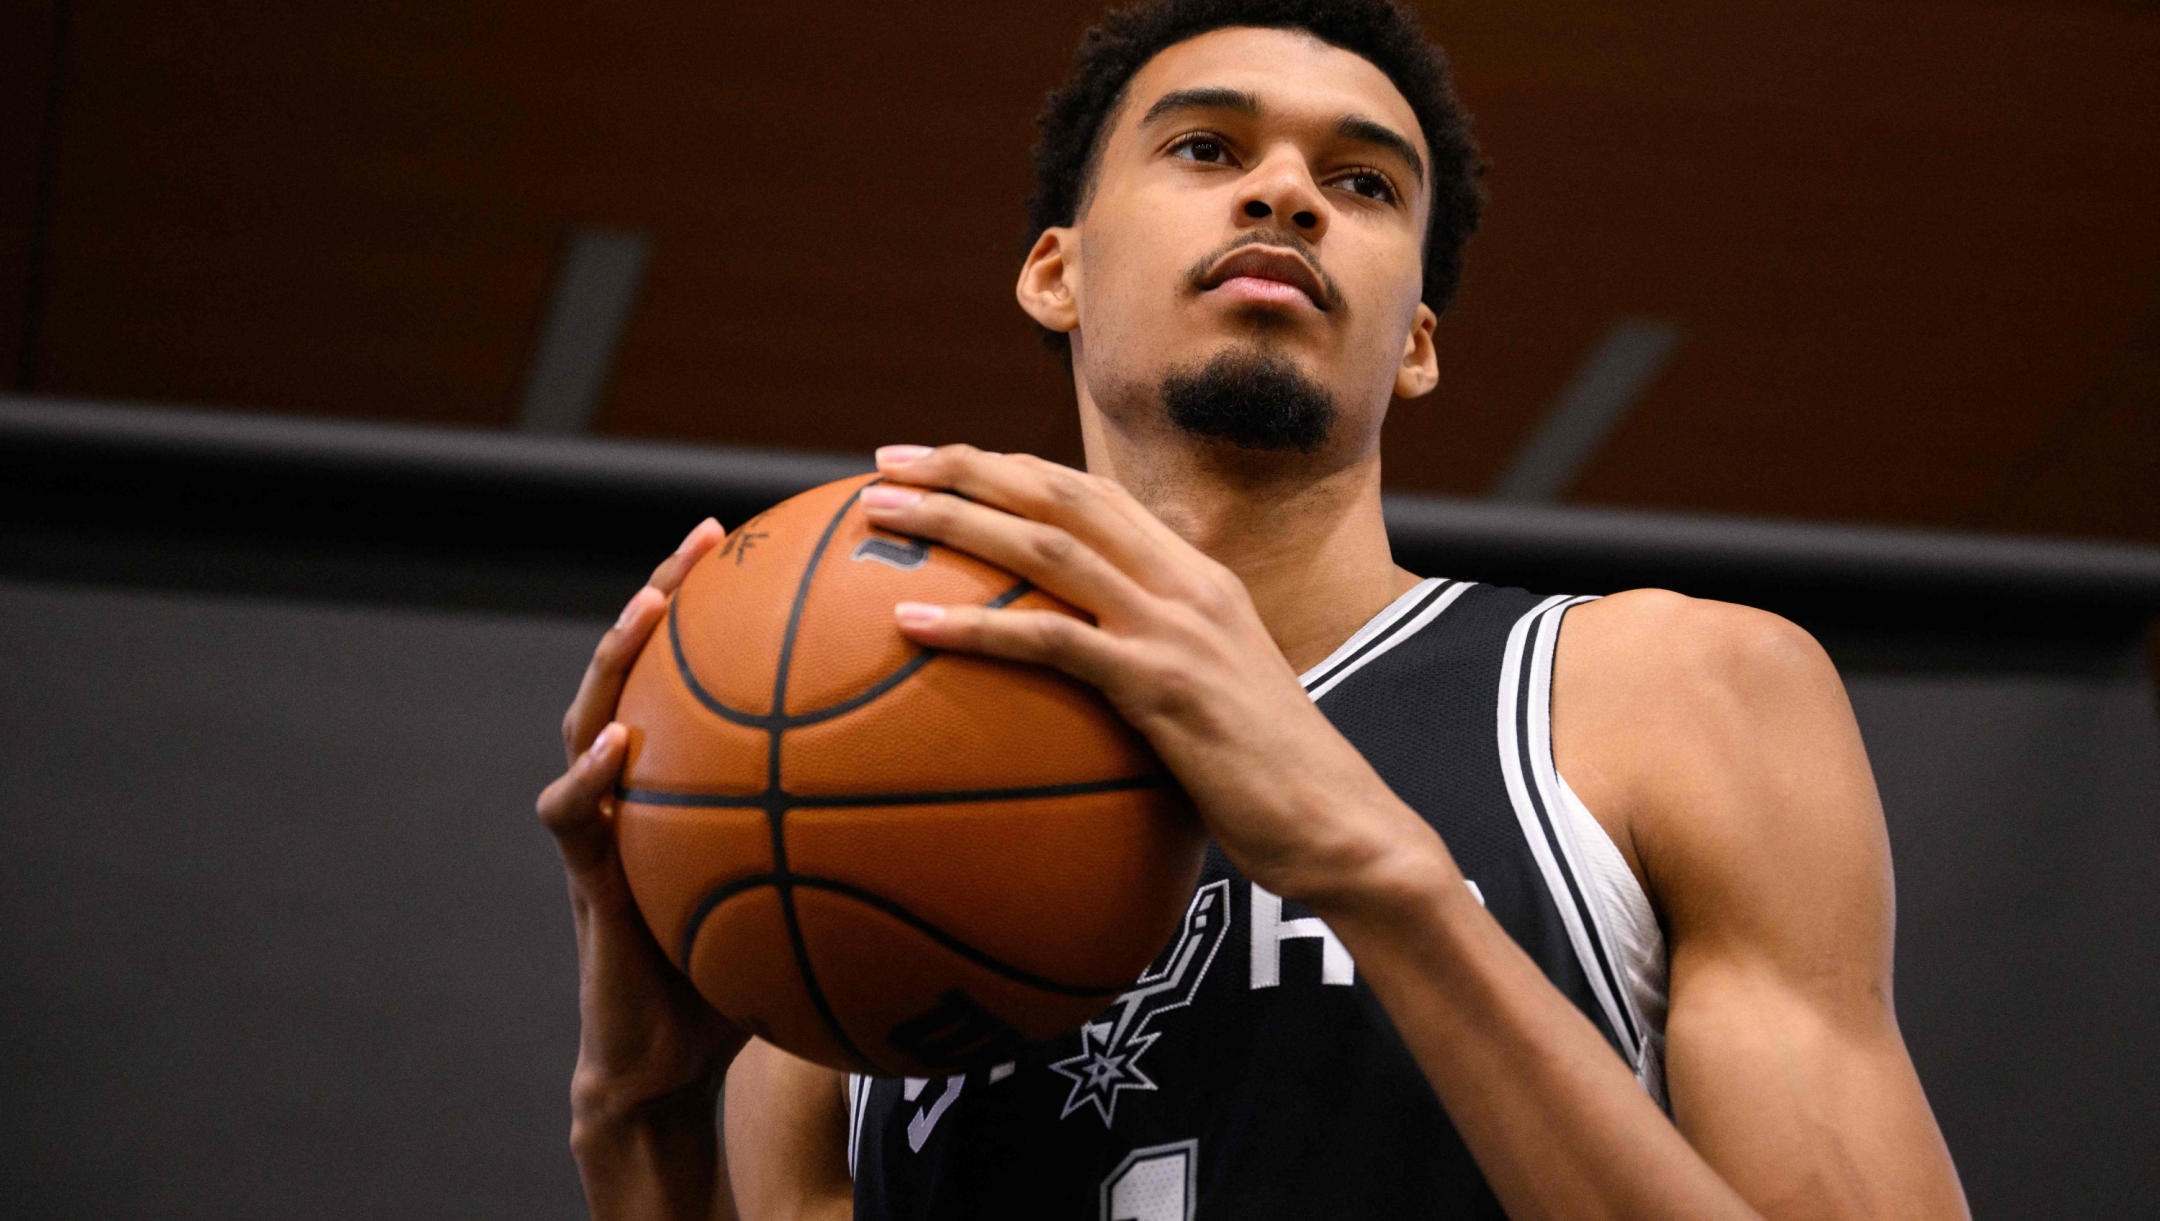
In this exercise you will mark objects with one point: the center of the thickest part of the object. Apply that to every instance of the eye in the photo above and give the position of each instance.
(1371, 184)
(1202, 147)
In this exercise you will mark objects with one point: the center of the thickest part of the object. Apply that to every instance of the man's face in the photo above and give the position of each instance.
(1260, 204)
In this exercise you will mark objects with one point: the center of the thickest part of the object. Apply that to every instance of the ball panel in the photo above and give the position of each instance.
(847, 640)
(675, 856)
(733, 607)
(678, 745)
(1083, 891)
(965, 723)
(914, 1007)
(744, 964)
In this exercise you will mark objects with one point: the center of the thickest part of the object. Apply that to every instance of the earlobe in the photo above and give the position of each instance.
(1049, 286)
(1420, 369)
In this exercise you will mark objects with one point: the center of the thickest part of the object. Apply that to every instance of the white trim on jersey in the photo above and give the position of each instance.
(1631, 928)
(858, 1092)
(1402, 619)
(1536, 791)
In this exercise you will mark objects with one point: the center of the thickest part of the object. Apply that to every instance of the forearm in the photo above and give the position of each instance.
(1555, 1119)
(653, 1160)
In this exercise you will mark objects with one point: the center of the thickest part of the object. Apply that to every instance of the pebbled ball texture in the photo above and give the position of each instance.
(874, 856)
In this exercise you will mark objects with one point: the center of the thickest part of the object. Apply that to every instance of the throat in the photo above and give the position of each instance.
(1311, 547)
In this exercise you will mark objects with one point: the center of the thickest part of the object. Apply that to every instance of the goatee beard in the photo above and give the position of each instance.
(1253, 400)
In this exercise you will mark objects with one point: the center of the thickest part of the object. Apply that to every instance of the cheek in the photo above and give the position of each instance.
(1126, 283)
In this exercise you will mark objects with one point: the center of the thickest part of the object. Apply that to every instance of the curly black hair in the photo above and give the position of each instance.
(1071, 126)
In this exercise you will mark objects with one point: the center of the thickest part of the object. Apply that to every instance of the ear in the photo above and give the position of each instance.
(1049, 287)
(1420, 370)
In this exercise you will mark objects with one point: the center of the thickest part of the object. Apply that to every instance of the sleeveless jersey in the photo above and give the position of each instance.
(1251, 1073)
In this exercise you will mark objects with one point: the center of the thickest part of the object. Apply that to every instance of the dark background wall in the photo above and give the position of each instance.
(1907, 245)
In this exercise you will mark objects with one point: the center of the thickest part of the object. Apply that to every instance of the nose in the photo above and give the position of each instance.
(1279, 191)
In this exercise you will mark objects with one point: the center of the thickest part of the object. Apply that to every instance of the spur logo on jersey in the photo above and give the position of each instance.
(1110, 1050)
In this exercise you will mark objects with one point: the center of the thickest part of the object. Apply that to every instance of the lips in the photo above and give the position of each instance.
(1267, 266)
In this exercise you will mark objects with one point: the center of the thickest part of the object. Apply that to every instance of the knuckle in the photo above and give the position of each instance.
(1050, 545)
(1067, 487)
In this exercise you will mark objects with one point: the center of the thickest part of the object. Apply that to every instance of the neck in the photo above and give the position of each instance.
(1302, 531)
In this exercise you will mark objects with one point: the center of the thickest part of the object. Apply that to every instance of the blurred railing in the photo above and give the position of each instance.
(233, 501)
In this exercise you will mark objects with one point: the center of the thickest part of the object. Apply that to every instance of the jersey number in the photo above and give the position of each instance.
(1153, 1184)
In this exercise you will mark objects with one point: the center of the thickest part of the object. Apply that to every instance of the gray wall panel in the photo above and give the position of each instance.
(2024, 815)
(279, 932)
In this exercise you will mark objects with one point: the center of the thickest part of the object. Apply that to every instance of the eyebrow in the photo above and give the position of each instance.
(1212, 97)
(1354, 127)
(1360, 128)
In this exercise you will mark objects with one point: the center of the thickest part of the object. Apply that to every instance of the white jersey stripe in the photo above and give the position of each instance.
(1403, 618)
(1524, 725)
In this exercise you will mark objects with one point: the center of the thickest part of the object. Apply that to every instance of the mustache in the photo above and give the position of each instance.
(1196, 275)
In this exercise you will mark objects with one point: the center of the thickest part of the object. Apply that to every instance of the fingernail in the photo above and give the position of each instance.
(918, 614)
(629, 610)
(684, 545)
(886, 496)
(599, 745)
(901, 455)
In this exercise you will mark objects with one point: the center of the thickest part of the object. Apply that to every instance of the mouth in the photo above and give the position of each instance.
(1267, 274)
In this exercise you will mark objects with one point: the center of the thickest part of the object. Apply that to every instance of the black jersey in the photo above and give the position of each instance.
(1251, 1073)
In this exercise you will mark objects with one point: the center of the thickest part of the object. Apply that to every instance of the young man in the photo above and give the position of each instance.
(1548, 908)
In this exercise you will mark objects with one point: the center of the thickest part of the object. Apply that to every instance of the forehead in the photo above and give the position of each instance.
(1290, 71)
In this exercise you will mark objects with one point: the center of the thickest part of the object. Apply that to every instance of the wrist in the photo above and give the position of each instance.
(1393, 875)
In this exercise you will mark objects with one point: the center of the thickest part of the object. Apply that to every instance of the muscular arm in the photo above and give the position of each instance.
(787, 1138)
(1716, 744)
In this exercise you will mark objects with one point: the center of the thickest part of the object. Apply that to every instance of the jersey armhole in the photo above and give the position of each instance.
(1632, 922)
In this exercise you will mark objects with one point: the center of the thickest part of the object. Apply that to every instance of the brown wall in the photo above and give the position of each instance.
(1910, 244)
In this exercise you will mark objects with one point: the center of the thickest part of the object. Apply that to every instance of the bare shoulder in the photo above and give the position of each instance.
(1719, 742)
(1649, 681)
(1653, 642)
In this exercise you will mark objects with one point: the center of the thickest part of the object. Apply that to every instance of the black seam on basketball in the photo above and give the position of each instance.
(780, 719)
(782, 802)
(979, 957)
(706, 906)
(796, 720)
(697, 689)
(778, 813)
(1552, 840)
(1387, 633)
(809, 977)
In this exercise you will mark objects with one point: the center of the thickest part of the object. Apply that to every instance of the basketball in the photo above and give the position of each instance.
(878, 857)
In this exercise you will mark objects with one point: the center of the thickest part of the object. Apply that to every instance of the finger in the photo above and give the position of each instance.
(1039, 637)
(1095, 510)
(574, 806)
(702, 538)
(601, 686)
(1049, 556)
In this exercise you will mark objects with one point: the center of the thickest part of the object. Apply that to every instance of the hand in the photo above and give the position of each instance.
(651, 1053)
(1176, 646)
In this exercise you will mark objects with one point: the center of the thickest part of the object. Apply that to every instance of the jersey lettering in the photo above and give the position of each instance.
(920, 1127)
(1158, 1183)
(1270, 930)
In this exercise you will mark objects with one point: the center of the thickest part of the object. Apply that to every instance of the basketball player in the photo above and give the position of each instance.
(1523, 906)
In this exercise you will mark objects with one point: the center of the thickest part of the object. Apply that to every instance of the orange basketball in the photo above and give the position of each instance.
(878, 857)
